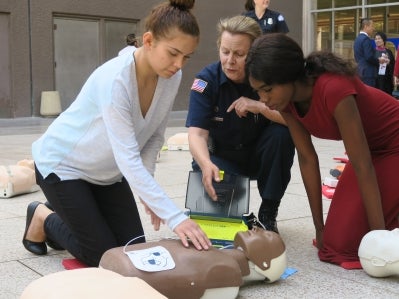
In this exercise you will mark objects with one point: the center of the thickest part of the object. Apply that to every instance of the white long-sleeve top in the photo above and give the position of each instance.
(103, 135)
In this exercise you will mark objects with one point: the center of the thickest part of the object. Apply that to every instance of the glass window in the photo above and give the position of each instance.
(346, 3)
(337, 28)
(393, 21)
(344, 33)
(377, 1)
(323, 32)
(322, 4)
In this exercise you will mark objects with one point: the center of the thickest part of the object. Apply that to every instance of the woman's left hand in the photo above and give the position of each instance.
(190, 230)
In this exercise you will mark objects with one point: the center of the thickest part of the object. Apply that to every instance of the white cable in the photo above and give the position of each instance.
(134, 239)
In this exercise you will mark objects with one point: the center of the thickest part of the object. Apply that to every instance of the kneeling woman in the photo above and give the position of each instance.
(106, 143)
(321, 96)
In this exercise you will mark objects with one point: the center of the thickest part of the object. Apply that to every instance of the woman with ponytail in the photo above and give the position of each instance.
(105, 145)
(322, 96)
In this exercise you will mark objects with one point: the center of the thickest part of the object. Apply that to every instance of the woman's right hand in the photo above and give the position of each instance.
(210, 173)
(155, 220)
(189, 230)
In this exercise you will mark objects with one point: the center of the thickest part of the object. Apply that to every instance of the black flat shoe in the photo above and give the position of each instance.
(38, 248)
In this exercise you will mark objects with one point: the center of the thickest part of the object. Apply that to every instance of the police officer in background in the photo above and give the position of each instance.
(270, 21)
(229, 129)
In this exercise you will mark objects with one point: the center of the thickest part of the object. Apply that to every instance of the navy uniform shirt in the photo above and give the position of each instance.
(211, 94)
(270, 22)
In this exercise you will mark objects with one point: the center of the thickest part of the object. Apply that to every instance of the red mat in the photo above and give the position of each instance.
(70, 264)
(346, 265)
(341, 159)
(327, 191)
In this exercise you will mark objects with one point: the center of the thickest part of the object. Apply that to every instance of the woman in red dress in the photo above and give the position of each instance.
(322, 96)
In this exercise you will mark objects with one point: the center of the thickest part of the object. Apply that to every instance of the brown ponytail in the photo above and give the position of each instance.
(174, 14)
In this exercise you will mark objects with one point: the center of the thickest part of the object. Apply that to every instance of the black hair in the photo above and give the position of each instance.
(364, 22)
(278, 59)
(249, 5)
(131, 39)
(383, 36)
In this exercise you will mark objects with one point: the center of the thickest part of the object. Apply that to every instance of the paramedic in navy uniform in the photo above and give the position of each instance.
(230, 130)
(270, 21)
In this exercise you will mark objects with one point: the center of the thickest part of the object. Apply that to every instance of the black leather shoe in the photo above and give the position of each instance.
(268, 213)
(38, 248)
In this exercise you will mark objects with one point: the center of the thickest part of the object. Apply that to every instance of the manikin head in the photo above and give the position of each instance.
(265, 251)
(379, 253)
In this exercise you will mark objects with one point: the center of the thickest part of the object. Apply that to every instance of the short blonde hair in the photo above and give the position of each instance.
(239, 25)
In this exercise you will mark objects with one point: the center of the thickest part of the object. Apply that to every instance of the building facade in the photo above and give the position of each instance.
(334, 24)
(55, 44)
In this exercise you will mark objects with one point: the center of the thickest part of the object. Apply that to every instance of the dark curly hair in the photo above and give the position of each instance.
(278, 59)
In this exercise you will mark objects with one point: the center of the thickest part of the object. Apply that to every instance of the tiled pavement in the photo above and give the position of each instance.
(313, 278)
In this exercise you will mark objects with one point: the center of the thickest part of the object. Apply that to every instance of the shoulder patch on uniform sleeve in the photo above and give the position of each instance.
(199, 85)
(280, 18)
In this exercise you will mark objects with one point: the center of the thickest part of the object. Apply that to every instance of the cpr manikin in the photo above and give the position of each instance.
(379, 253)
(265, 253)
(216, 273)
(88, 283)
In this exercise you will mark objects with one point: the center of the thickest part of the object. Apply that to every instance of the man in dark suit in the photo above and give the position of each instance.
(364, 51)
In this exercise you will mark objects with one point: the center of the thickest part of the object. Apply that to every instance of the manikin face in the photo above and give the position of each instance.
(169, 55)
(276, 97)
(232, 53)
(265, 249)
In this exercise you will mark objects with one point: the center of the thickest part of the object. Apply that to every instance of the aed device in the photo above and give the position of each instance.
(220, 219)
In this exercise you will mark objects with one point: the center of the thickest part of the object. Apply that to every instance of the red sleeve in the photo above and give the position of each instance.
(334, 88)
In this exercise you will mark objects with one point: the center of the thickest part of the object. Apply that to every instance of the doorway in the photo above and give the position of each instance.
(76, 55)
(5, 73)
(80, 46)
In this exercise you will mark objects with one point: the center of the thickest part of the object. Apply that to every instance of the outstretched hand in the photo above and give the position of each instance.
(189, 230)
(244, 105)
(155, 220)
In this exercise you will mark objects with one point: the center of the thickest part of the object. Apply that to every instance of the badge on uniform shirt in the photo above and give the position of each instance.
(199, 85)
(270, 21)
